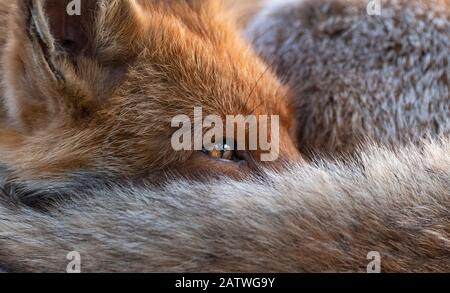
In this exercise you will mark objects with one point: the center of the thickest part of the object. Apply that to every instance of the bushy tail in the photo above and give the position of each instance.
(319, 217)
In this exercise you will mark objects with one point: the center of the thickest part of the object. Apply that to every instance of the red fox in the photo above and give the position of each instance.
(86, 119)
(94, 94)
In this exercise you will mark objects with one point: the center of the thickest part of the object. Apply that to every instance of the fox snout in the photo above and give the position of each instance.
(97, 93)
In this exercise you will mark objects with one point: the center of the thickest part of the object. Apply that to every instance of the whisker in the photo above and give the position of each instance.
(268, 68)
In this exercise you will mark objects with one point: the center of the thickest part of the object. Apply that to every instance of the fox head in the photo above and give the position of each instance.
(95, 93)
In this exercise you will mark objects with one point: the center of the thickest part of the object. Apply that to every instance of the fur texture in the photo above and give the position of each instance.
(355, 76)
(96, 93)
(325, 216)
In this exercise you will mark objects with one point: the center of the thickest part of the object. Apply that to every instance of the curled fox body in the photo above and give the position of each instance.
(356, 76)
(86, 117)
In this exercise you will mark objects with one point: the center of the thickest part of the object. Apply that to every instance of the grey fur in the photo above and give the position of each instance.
(319, 217)
(312, 218)
(354, 76)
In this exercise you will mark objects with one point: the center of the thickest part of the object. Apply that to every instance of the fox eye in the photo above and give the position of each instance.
(221, 151)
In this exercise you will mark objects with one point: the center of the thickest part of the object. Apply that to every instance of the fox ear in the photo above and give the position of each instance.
(97, 29)
(54, 64)
(48, 40)
(59, 28)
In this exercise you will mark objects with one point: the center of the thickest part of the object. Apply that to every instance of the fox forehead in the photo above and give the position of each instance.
(177, 66)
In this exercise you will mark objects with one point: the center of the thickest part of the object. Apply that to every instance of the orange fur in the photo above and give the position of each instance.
(104, 104)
